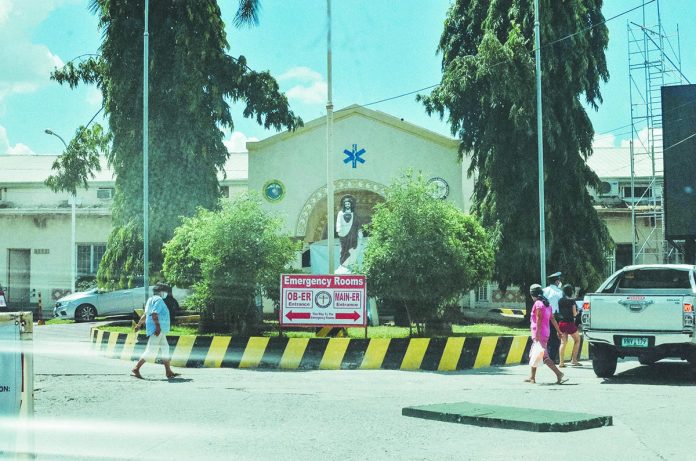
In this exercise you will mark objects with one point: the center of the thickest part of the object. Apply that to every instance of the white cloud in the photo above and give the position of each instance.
(309, 88)
(316, 93)
(26, 65)
(5, 10)
(94, 97)
(640, 143)
(17, 149)
(303, 74)
(237, 142)
(604, 140)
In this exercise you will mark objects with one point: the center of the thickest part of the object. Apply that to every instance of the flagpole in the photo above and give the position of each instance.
(146, 191)
(329, 148)
(540, 147)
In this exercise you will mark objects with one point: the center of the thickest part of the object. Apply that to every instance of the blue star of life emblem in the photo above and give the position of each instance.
(354, 156)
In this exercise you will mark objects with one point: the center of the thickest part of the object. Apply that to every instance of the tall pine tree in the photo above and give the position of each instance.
(487, 95)
(192, 79)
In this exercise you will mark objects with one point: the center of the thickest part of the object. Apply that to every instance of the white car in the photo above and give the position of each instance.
(85, 306)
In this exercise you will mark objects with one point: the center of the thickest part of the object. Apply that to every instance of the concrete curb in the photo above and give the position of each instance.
(516, 313)
(429, 354)
(503, 417)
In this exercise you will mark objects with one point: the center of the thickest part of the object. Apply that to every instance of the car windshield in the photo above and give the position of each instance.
(199, 198)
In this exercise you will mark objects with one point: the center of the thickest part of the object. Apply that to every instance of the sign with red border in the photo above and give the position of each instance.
(323, 300)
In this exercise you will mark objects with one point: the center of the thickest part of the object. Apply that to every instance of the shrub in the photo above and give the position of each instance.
(228, 257)
(424, 252)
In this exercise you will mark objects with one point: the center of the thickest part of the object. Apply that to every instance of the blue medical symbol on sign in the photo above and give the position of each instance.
(354, 155)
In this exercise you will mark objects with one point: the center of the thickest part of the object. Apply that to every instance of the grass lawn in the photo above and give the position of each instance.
(481, 329)
(58, 321)
(175, 331)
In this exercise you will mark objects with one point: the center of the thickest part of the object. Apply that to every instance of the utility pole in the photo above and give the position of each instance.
(146, 188)
(540, 147)
(329, 147)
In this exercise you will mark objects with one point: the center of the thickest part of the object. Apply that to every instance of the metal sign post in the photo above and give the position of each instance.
(323, 300)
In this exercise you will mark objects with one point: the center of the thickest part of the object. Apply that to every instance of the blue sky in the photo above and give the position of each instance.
(381, 48)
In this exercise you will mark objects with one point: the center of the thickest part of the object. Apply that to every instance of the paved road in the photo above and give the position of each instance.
(87, 407)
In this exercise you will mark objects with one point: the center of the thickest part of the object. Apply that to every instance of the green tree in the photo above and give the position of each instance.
(487, 94)
(423, 252)
(80, 159)
(229, 257)
(192, 81)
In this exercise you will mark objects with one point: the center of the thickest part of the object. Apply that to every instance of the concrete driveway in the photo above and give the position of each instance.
(88, 407)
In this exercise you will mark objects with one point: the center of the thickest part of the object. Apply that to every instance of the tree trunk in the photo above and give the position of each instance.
(410, 321)
(528, 303)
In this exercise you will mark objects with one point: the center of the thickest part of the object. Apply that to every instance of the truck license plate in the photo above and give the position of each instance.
(634, 342)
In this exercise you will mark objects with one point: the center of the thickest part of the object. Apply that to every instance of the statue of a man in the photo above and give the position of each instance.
(347, 227)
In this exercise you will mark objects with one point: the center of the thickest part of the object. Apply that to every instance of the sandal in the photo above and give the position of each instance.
(173, 375)
(578, 364)
(530, 380)
(136, 374)
(562, 379)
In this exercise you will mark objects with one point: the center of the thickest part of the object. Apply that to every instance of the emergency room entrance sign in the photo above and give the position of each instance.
(323, 300)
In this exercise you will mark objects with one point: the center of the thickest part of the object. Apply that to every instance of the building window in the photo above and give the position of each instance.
(640, 192)
(105, 193)
(483, 293)
(624, 255)
(88, 258)
(225, 191)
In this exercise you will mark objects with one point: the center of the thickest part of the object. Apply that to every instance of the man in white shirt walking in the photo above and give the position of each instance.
(156, 320)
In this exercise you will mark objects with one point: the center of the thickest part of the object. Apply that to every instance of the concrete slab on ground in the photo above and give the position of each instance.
(504, 417)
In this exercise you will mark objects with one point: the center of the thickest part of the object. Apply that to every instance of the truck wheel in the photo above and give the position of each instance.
(604, 361)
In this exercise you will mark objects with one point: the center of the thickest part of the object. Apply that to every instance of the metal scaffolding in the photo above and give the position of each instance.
(653, 62)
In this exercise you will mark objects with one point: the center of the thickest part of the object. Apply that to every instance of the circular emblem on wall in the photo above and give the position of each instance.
(274, 190)
(322, 299)
(440, 188)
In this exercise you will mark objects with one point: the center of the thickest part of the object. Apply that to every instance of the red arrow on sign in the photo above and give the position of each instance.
(297, 315)
(352, 316)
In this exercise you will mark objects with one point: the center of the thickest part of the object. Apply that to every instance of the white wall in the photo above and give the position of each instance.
(299, 161)
(50, 232)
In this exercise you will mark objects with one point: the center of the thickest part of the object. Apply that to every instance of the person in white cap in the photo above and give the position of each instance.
(554, 293)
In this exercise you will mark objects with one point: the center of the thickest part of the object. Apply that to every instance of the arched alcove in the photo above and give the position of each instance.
(311, 223)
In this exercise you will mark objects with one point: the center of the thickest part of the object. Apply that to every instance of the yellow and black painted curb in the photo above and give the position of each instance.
(434, 354)
(518, 313)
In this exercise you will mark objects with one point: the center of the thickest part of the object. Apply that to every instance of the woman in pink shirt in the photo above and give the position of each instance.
(539, 319)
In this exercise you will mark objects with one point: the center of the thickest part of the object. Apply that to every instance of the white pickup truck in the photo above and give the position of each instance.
(644, 311)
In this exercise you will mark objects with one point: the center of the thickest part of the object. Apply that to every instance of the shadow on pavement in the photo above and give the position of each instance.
(178, 380)
(660, 373)
(492, 370)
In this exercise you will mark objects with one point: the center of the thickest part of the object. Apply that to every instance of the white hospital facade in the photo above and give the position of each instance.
(371, 149)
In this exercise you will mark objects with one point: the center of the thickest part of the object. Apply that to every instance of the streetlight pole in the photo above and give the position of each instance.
(540, 147)
(73, 200)
(146, 188)
(329, 147)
